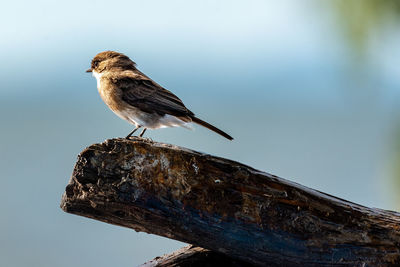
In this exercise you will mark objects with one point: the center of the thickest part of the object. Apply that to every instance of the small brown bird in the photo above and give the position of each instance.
(136, 98)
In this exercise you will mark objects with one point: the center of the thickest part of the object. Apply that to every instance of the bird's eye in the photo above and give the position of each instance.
(95, 63)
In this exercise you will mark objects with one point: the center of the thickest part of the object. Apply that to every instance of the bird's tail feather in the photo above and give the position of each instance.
(212, 128)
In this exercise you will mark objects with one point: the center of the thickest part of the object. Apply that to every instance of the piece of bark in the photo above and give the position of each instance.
(191, 256)
(227, 207)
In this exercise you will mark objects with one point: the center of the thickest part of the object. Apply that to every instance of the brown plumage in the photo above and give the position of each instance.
(136, 98)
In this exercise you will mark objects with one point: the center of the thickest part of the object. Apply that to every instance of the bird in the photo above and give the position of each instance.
(136, 98)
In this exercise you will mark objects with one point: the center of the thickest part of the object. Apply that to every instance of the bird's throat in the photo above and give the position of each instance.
(98, 76)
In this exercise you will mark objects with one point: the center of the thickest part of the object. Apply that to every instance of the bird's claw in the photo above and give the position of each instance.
(134, 137)
(147, 139)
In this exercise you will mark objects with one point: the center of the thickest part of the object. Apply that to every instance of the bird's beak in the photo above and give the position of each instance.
(89, 70)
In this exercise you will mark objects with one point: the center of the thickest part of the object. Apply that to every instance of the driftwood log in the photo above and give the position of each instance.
(191, 256)
(227, 207)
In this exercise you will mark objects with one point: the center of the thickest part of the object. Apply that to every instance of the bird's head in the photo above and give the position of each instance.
(110, 60)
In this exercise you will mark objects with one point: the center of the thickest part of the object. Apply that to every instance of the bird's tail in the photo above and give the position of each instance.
(212, 128)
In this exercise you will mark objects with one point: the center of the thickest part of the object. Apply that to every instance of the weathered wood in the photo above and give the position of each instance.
(191, 256)
(227, 207)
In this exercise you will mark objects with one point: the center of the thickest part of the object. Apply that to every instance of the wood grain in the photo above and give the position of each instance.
(227, 207)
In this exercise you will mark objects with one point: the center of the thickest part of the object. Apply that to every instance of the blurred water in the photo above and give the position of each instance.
(279, 77)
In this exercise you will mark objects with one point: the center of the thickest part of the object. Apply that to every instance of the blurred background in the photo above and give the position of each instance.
(309, 89)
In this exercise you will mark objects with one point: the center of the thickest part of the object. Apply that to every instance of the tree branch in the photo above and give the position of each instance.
(226, 207)
(191, 256)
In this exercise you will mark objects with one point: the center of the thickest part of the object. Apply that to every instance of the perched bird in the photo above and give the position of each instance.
(138, 99)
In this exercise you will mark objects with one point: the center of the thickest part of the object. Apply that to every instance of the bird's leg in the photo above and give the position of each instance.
(141, 134)
(134, 130)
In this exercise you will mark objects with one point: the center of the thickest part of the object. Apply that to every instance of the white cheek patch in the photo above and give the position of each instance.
(98, 77)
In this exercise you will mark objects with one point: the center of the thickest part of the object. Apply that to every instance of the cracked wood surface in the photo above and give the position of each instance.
(191, 256)
(227, 207)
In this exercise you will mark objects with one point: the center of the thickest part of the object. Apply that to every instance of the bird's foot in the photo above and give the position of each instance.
(134, 137)
(147, 139)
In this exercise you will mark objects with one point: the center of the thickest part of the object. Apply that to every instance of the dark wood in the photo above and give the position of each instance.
(227, 207)
(191, 256)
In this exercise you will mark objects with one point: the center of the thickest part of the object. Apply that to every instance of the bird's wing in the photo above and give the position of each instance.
(150, 97)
